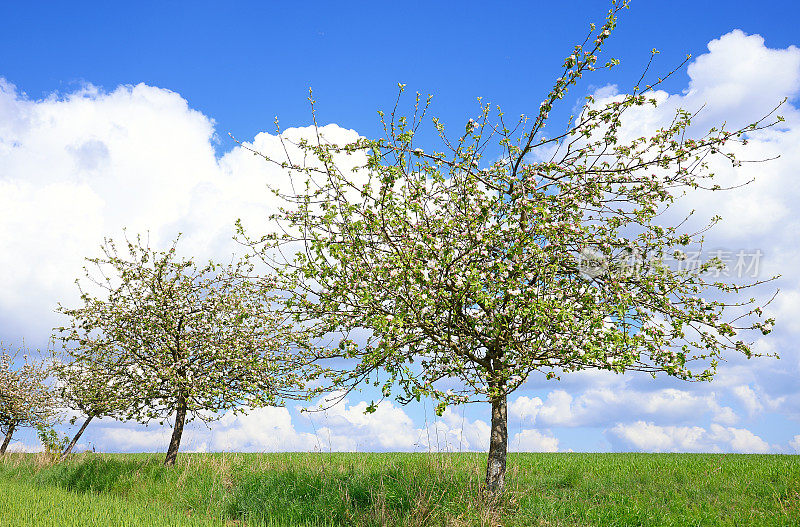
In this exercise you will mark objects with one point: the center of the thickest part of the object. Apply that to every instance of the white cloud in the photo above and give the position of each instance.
(649, 437)
(755, 401)
(597, 406)
(533, 441)
(748, 398)
(525, 408)
(19, 446)
(738, 81)
(740, 74)
(726, 416)
(455, 433)
(341, 428)
(76, 168)
(267, 429)
(347, 427)
(787, 310)
(739, 439)
(127, 440)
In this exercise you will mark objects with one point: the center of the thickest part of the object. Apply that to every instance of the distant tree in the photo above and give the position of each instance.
(25, 398)
(474, 275)
(171, 337)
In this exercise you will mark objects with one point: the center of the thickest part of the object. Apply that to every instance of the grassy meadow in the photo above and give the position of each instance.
(314, 489)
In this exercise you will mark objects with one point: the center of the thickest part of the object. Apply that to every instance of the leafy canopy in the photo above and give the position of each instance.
(26, 400)
(510, 252)
(154, 327)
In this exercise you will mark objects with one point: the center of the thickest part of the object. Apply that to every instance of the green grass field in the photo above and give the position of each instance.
(400, 489)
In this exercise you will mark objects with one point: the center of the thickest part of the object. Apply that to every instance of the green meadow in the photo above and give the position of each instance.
(359, 489)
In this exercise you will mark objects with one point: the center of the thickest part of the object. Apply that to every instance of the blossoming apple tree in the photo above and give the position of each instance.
(169, 336)
(84, 389)
(25, 398)
(475, 268)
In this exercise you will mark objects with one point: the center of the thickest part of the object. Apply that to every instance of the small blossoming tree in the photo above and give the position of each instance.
(472, 276)
(170, 337)
(84, 389)
(25, 398)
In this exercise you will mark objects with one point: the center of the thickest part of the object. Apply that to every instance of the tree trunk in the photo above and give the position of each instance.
(498, 447)
(75, 439)
(175, 442)
(7, 440)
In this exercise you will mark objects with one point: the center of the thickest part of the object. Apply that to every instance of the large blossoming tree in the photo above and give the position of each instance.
(26, 400)
(472, 276)
(171, 337)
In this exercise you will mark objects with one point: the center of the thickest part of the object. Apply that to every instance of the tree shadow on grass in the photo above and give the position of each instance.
(392, 495)
(332, 491)
(99, 473)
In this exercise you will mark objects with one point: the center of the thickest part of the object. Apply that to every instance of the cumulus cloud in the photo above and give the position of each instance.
(390, 428)
(82, 166)
(755, 401)
(525, 408)
(739, 74)
(126, 440)
(534, 441)
(597, 406)
(267, 429)
(737, 81)
(343, 427)
(649, 437)
(454, 432)
(20, 447)
(347, 427)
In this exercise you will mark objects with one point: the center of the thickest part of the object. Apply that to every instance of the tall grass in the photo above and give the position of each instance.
(23, 505)
(431, 489)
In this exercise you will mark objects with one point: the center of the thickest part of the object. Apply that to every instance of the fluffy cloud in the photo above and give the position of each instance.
(83, 166)
(347, 427)
(649, 437)
(533, 441)
(390, 428)
(740, 74)
(525, 408)
(127, 440)
(19, 446)
(261, 430)
(737, 81)
(755, 401)
(597, 406)
(340, 428)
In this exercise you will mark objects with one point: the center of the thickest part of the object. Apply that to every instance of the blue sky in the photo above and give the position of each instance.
(117, 115)
(243, 63)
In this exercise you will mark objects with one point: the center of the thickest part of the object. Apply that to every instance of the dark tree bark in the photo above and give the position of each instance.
(175, 441)
(498, 446)
(7, 440)
(75, 439)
